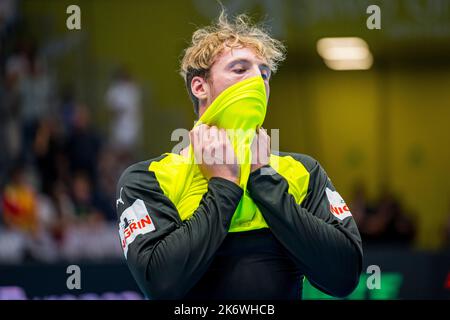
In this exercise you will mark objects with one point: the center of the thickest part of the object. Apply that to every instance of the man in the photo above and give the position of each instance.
(234, 229)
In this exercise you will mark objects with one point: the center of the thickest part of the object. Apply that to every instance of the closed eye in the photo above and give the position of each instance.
(239, 71)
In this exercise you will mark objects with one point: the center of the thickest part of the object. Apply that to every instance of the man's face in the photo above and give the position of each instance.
(229, 67)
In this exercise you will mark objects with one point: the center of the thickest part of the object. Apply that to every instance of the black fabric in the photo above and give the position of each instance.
(327, 250)
(199, 259)
(167, 262)
(250, 265)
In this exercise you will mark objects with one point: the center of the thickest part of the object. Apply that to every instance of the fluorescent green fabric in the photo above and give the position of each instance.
(294, 173)
(240, 107)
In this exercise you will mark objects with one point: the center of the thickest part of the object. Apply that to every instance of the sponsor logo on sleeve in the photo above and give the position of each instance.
(338, 207)
(134, 221)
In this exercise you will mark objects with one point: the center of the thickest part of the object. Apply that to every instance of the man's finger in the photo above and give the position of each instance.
(195, 137)
(205, 135)
(213, 133)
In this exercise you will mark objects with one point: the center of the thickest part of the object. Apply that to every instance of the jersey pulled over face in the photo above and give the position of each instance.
(231, 66)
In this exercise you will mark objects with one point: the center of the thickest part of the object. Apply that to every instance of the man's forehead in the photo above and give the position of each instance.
(241, 53)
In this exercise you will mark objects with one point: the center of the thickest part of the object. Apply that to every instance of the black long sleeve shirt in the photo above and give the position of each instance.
(199, 259)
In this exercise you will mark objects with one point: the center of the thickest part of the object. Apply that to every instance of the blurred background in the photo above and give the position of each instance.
(78, 106)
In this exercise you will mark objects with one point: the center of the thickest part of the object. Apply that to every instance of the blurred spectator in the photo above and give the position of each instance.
(9, 123)
(84, 143)
(19, 203)
(82, 195)
(18, 62)
(384, 222)
(49, 154)
(54, 205)
(40, 244)
(93, 240)
(67, 110)
(64, 212)
(110, 169)
(123, 97)
(35, 102)
(27, 216)
(16, 68)
(89, 236)
(388, 224)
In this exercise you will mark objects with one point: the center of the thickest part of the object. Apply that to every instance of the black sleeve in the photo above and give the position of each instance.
(320, 234)
(168, 256)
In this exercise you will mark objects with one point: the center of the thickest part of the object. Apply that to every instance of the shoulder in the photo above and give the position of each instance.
(307, 161)
(317, 174)
(138, 174)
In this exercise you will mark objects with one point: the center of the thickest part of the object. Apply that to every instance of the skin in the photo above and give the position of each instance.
(229, 67)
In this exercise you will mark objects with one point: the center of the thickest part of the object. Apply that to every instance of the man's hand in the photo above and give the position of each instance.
(214, 153)
(260, 149)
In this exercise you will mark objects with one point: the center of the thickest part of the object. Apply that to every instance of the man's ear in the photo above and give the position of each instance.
(199, 88)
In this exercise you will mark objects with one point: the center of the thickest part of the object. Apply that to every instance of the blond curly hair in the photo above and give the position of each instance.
(208, 42)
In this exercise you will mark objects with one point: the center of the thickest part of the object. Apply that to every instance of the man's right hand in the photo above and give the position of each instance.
(214, 153)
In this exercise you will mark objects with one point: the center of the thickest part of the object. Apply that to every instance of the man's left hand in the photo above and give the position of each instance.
(260, 149)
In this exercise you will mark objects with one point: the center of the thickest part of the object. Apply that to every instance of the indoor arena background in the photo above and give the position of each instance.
(78, 106)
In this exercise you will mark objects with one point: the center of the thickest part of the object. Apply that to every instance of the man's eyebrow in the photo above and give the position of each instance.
(238, 61)
(246, 61)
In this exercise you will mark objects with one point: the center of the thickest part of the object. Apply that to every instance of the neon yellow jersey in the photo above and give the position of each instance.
(170, 173)
(241, 109)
